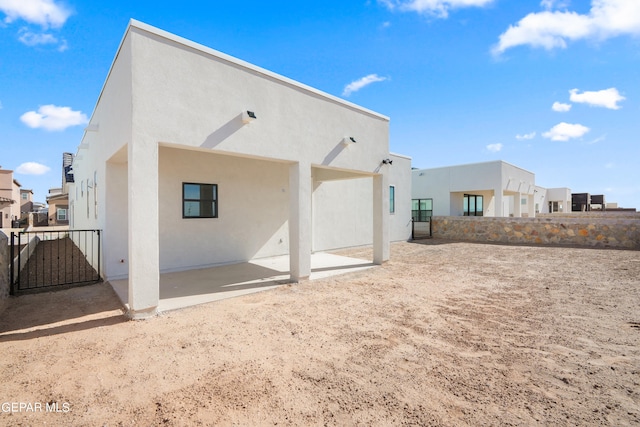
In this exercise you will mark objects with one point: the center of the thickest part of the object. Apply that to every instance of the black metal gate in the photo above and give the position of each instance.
(44, 260)
(421, 229)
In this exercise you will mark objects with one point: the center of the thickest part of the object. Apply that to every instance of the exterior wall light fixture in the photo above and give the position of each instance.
(248, 117)
(347, 140)
(387, 162)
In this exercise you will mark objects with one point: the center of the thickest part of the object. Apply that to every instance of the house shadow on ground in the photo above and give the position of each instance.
(59, 312)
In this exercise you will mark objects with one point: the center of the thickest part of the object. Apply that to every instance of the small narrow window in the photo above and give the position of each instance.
(199, 200)
(62, 214)
(392, 199)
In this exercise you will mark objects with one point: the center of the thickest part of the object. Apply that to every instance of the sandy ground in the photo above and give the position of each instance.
(444, 334)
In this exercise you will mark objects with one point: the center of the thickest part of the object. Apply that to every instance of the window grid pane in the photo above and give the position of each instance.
(422, 209)
(199, 200)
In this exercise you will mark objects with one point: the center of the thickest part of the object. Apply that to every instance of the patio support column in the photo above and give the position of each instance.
(517, 205)
(300, 221)
(531, 205)
(380, 218)
(144, 252)
(497, 195)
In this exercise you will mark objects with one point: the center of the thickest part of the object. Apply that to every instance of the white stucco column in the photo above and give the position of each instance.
(497, 202)
(144, 247)
(531, 205)
(517, 205)
(300, 221)
(380, 218)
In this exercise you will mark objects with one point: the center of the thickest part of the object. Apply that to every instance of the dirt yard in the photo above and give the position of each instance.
(445, 333)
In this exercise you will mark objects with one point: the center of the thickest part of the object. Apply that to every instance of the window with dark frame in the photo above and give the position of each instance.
(473, 205)
(421, 209)
(199, 200)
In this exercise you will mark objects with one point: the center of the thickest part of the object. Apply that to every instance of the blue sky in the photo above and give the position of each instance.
(552, 86)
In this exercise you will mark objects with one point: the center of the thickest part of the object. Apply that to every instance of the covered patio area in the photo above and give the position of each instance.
(187, 288)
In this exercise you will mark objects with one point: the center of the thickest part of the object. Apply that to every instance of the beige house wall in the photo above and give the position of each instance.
(9, 189)
(54, 205)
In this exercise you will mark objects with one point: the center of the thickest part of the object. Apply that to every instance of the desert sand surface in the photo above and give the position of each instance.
(445, 333)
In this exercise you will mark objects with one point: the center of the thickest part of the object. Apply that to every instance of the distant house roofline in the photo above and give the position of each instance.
(474, 164)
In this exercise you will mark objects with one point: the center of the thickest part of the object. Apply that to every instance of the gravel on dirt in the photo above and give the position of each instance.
(445, 333)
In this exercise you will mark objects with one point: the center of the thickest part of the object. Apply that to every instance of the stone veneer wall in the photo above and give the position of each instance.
(592, 231)
(5, 262)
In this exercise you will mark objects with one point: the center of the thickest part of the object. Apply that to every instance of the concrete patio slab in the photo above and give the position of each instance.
(193, 287)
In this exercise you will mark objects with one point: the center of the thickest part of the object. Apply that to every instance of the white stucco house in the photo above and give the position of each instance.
(193, 158)
(555, 200)
(494, 188)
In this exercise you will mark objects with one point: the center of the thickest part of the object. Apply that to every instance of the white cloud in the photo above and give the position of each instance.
(526, 136)
(46, 13)
(607, 98)
(494, 148)
(438, 8)
(553, 4)
(552, 29)
(32, 168)
(560, 107)
(30, 38)
(360, 83)
(597, 140)
(51, 117)
(565, 131)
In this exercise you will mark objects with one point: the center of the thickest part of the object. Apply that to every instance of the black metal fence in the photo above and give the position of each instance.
(42, 260)
(421, 229)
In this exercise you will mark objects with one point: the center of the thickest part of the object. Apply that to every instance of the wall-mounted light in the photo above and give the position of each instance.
(387, 162)
(347, 140)
(248, 117)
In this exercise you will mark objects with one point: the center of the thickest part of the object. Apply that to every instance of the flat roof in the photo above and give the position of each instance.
(235, 61)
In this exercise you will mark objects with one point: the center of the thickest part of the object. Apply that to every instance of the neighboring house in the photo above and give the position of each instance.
(58, 201)
(9, 198)
(39, 207)
(193, 158)
(555, 200)
(584, 202)
(495, 188)
(26, 202)
(58, 198)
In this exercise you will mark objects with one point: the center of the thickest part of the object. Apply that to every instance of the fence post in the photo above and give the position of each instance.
(99, 271)
(12, 290)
